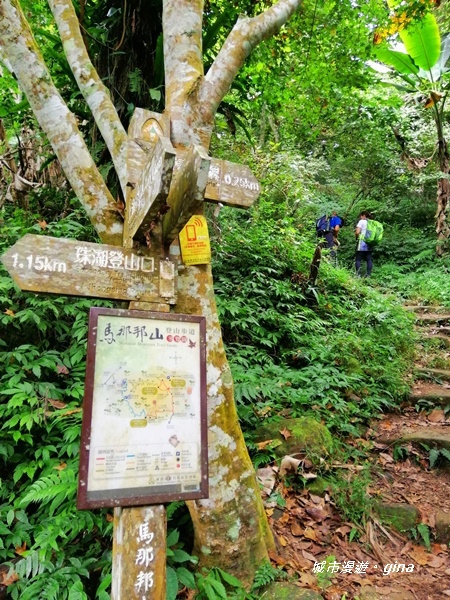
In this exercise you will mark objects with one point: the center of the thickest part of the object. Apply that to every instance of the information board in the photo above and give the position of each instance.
(144, 433)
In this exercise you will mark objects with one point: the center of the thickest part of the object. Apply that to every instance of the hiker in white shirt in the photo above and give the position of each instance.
(363, 250)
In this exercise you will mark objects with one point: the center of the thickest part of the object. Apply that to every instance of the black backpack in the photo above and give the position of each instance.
(322, 226)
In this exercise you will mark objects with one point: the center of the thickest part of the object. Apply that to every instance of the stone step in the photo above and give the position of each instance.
(433, 437)
(427, 309)
(442, 526)
(369, 592)
(434, 330)
(435, 374)
(399, 515)
(432, 318)
(403, 517)
(444, 340)
(432, 392)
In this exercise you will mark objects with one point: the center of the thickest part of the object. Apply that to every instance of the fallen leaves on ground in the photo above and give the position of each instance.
(309, 530)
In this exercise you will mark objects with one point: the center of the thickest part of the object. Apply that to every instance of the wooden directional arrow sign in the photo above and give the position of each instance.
(60, 266)
(187, 190)
(152, 189)
(231, 184)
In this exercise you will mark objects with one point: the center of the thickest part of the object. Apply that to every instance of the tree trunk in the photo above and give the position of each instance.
(443, 192)
(231, 528)
(58, 122)
(442, 228)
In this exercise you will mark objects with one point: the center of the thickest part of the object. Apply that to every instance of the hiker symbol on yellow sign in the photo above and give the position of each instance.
(194, 242)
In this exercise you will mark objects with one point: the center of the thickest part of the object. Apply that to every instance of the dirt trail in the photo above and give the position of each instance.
(409, 455)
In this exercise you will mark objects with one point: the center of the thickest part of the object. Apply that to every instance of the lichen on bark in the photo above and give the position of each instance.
(231, 527)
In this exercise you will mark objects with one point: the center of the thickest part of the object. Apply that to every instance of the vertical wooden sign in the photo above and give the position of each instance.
(139, 554)
(152, 190)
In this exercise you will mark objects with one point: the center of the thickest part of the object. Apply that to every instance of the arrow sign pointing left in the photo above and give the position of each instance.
(39, 263)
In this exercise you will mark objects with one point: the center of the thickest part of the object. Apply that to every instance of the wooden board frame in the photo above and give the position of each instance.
(108, 402)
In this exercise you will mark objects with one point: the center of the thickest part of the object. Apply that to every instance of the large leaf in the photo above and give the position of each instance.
(440, 67)
(399, 87)
(400, 61)
(423, 42)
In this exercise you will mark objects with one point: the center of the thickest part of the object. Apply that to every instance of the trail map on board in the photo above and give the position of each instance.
(145, 406)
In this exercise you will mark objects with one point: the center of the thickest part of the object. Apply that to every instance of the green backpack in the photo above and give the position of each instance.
(374, 232)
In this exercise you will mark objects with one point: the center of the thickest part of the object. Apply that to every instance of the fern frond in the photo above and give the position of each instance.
(172, 508)
(265, 574)
(49, 487)
(136, 80)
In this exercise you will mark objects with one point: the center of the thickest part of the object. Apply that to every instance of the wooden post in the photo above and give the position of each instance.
(139, 553)
(139, 537)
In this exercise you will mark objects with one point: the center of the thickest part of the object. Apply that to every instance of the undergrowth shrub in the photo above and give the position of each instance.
(341, 357)
(57, 551)
(428, 284)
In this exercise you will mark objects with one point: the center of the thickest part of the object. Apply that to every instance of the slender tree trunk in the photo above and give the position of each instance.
(443, 193)
(443, 190)
(231, 528)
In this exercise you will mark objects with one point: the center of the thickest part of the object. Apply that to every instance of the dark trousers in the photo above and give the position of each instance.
(332, 246)
(363, 255)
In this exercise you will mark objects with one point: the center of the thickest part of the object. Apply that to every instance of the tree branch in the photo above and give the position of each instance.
(183, 62)
(91, 86)
(58, 123)
(243, 38)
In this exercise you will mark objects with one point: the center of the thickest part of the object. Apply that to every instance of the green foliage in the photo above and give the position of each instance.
(425, 285)
(178, 576)
(422, 532)
(400, 452)
(324, 576)
(341, 359)
(438, 455)
(267, 574)
(211, 584)
(57, 551)
(351, 498)
(217, 584)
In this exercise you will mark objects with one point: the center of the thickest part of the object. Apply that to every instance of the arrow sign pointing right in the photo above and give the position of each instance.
(231, 184)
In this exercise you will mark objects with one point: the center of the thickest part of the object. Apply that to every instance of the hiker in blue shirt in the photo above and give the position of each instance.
(335, 224)
(363, 250)
(331, 236)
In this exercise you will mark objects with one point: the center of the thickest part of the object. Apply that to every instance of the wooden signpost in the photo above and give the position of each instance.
(166, 186)
(231, 184)
(196, 177)
(152, 190)
(39, 263)
(139, 557)
(186, 195)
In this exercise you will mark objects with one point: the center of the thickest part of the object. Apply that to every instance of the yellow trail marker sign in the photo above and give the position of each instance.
(194, 242)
